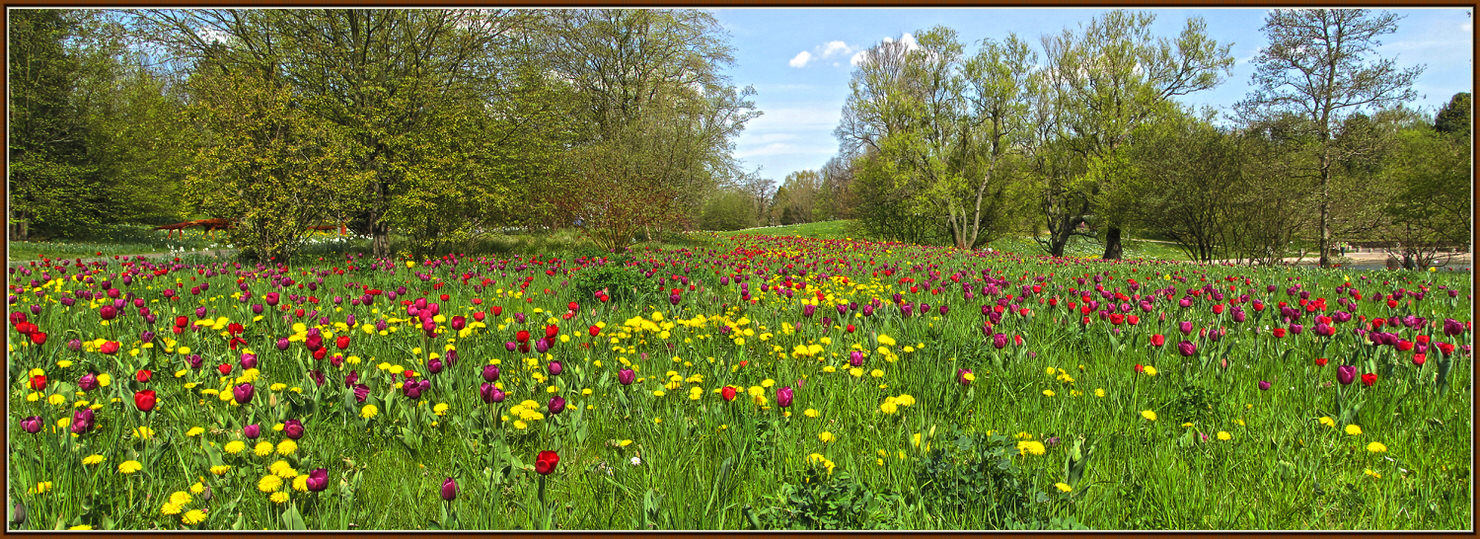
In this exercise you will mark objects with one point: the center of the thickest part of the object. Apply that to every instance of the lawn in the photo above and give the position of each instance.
(737, 381)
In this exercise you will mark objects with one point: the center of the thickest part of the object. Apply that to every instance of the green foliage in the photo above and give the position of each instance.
(624, 284)
(975, 483)
(826, 501)
(1454, 118)
(728, 210)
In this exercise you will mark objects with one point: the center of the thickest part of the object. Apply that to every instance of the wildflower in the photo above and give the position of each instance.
(1149, 370)
(262, 449)
(180, 497)
(235, 446)
(220, 469)
(369, 411)
(1372, 473)
(889, 407)
(194, 431)
(92, 459)
(1353, 430)
(1149, 415)
(1030, 446)
(1376, 447)
(811, 413)
(1224, 435)
(449, 489)
(193, 517)
(827, 437)
(269, 483)
(1100, 393)
(279, 497)
(143, 433)
(129, 466)
(1063, 487)
(1327, 421)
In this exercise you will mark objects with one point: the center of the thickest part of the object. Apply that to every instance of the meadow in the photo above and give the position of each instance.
(751, 380)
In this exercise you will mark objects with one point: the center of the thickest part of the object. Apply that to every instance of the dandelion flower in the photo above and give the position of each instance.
(129, 466)
(1048, 393)
(889, 407)
(300, 483)
(262, 449)
(1029, 446)
(1224, 435)
(1063, 487)
(170, 508)
(827, 437)
(269, 483)
(279, 497)
(811, 413)
(369, 411)
(1353, 430)
(1376, 447)
(220, 469)
(194, 431)
(193, 517)
(1100, 393)
(1327, 422)
(92, 459)
(180, 497)
(1149, 415)
(287, 447)
(235, 446)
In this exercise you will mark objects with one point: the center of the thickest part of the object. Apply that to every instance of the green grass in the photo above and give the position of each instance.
(1078, 246)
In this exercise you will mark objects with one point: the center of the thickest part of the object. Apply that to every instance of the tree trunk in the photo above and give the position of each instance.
(380, 242)
(1325, 239)
(1112, 243)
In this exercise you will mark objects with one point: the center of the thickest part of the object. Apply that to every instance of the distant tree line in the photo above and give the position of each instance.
(1084, 135)
(439, 126)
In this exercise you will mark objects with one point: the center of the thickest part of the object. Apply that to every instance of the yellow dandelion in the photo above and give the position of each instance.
(279, 497)
(235, 446)
(129, 466)
(1029, 446)
(92, 459)
(1149, 415)
(1063, 487)
(827, 437)
(193, 517)
(287, 447)
(1353, 430)
(269, 483)
(369, 411)
(1224, 435)
(1376, 447)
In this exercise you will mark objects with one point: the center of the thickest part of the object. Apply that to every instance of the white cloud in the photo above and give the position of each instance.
(857, 58)
(834, 48)
(800, 60)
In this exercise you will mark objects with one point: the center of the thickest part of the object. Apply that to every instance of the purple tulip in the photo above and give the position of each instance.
(243, 393)
(1186, 348)
(1185, 327)
(318, 480)
(557, 405)
(361, 391)
(449, 489)
(855, 358)
(293, 429)
(490, 373)
(626, 376)
(31, 424)
(1346, 374)
(252, 431)
(82, 420)
(248, 361)
(88, 382)
(1263, 385)
(434, 366)
(783, 397)
(490, 393)
(555, 368)
(999, 341)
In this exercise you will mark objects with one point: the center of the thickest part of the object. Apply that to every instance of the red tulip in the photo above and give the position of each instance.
(545, 463)
(109, 348)
(38, 382)
(1320, 362)
(38, 338)
(1158, 340)
(728, 393)
(1369, 379)
(143, 375)
(144, 400)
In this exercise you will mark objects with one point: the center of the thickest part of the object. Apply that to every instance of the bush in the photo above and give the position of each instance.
(977, 478)
(828, 502)
(620, 282)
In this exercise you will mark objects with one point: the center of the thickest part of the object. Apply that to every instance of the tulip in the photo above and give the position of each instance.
(252, 431)
(999, 341)
(1346, 374)
(783, 397)
(1369, 379)
(31, 424)
(728, 393)
(490, 393)
(545, 463)
(88, 382)
(144, 400)
(1186, 348)
(293, 429)
(1158, 340)
(557, 405)
(1263, 385)
(855, 358)
(38, 382)
(449, 489)
(626, 376)
(318, 480)
(243, 393)
(82, 420)
(555, 368)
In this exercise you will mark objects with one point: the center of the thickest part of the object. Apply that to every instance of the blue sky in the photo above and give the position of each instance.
(802, 95)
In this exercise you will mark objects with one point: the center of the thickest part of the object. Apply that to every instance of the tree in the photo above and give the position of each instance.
(1187, 172)
(657, 113)
(1427, 206)
(835, 200)
(264, 164)
(1454, 118)
(1269, 205)
(1114, 77)
(380, 76)
(55, 189)
(728, 209)
(1321, 64)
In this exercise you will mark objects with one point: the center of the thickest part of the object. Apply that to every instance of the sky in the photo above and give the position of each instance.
(798, 61)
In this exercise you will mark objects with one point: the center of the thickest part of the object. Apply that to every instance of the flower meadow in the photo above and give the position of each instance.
(747, 382)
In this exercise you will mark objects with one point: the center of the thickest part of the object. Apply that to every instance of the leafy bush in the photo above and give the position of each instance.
(977, 478)
(828, 502)
(621, 283)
